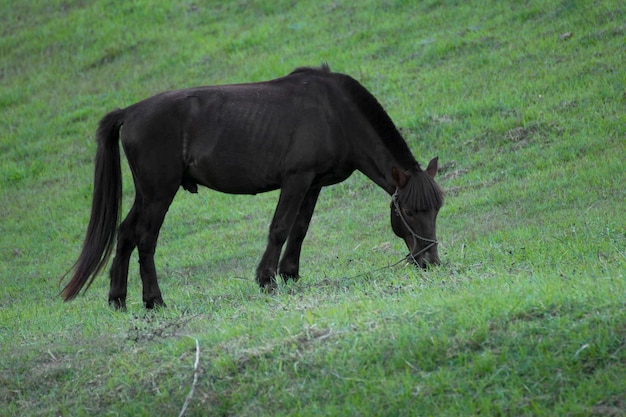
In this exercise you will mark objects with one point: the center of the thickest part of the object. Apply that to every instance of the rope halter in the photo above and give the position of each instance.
(415, 236)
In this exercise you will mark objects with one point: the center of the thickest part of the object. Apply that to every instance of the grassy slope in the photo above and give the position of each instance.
(526, 316)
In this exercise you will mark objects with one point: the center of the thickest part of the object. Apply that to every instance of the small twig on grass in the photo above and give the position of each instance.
(195, 378)
(54, 358)
(347, 378)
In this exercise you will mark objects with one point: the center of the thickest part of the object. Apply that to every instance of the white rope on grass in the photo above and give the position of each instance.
(195, 378)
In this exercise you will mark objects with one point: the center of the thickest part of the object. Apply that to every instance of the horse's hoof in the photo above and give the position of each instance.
(156, 303)
(269, 287)
(118, 304)
(289, 276)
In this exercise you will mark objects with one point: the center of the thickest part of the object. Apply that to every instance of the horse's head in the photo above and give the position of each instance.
(414, 209)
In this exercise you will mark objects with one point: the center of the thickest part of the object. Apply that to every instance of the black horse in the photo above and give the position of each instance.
(301, 132)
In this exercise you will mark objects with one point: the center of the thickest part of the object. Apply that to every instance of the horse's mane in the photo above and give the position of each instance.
(324, 68)
(422, 192)
(381, 122)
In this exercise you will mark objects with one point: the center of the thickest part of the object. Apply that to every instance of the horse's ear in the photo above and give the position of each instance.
(433, 167)
(399, 176)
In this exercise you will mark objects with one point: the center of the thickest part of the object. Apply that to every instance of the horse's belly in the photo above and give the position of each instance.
(258, 162)
(233, 176)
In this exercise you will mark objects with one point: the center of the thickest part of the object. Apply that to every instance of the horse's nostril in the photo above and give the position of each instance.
(432, 259)
(417, 260)
(426, 260)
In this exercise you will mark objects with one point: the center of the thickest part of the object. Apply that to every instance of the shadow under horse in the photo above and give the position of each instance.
(299, 133)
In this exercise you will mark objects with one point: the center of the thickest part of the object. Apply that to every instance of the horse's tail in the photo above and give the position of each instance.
(105, 207)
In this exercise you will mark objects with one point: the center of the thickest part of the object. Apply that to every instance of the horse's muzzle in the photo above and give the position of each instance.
(425, 259)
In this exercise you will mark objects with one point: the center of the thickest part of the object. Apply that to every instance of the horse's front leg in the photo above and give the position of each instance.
(289, 267)
(291, 197)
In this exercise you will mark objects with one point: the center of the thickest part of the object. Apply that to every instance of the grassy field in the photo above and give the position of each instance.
(524, 102)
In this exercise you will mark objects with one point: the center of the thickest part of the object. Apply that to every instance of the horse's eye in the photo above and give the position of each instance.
(409, 212)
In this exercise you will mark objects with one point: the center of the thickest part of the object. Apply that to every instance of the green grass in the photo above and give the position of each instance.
(526, 316)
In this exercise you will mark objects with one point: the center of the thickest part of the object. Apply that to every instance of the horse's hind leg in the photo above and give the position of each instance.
(126, 243)
(147, 231)
(289, 266)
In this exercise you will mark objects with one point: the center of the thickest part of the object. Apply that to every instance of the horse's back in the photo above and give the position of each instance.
(244, 138)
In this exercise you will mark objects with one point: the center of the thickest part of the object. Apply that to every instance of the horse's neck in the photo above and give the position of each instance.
(376, 161)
